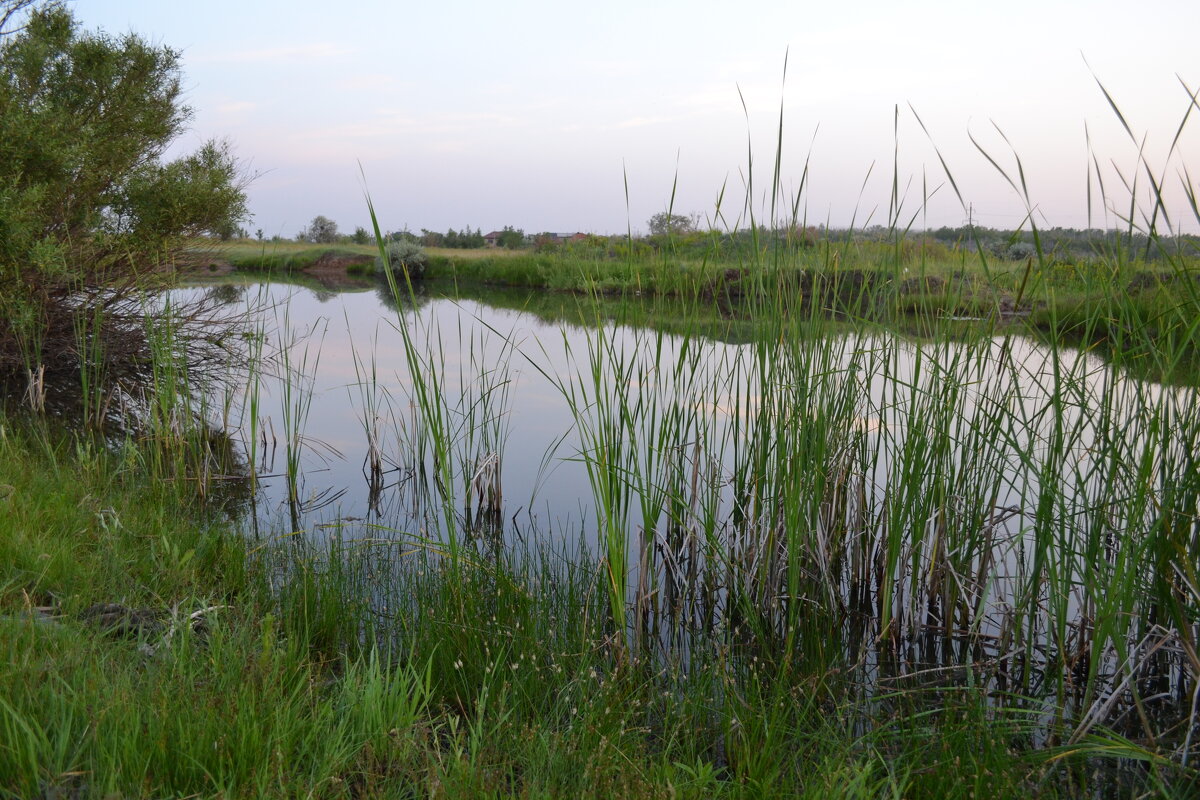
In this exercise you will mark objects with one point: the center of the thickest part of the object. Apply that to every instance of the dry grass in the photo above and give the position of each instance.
(471, 255)
(247, 248)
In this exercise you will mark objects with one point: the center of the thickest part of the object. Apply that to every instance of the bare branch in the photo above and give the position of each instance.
(9, 9)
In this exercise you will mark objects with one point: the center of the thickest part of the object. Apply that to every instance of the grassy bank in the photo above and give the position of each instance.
(844, 279)
(285, 257)
(498, 682)
(907, 284)
(1142, 310)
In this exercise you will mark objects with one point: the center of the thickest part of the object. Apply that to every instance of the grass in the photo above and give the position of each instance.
(1130, 306)
(503, 685)
(909, 283)
(289, 256)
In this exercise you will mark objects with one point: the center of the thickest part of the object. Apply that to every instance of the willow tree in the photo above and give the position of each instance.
(91, 212)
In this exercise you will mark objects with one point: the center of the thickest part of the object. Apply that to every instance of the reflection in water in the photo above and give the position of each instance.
(988, 503)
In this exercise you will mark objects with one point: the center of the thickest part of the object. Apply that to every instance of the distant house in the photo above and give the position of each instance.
(493, 239)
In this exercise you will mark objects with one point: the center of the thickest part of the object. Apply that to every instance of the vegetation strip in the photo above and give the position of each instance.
(504, 685)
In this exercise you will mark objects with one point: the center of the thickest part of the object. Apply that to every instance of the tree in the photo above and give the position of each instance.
(361, 236)
(322, 230)
(404, 236)
(664, 223)
(511, 238)
(88, 205)
(464, 239)
(545, 242)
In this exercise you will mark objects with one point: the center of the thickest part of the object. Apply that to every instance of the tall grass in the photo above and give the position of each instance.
(299, 357)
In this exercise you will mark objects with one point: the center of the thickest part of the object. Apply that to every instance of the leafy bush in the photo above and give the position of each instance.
(405, 257)
(89, 208)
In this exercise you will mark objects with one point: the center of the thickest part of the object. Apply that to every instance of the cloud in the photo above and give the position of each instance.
(719, 96)
(304, 52)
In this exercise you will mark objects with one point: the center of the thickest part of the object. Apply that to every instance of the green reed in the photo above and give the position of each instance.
(375, 410)
(456, 440)
(251, 402)
(481, 432)
(94, 389)
(176, 416)
(298, 362)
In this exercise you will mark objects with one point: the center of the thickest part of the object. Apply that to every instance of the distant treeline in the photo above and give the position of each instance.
(465, 239)
(1066, 245)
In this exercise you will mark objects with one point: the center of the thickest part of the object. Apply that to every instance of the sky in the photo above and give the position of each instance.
(563, 116)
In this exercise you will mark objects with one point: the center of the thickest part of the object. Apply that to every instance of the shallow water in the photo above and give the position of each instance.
(348, 371)
(345, 381)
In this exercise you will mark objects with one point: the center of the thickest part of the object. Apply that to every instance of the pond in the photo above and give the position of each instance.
(987, 503)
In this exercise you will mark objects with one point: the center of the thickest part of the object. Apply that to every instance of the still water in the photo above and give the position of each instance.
(527, 392)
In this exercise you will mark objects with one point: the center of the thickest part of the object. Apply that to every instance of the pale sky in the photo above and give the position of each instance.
(537, 114)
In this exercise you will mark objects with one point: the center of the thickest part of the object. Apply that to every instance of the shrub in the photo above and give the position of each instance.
(1020, 251)
(322, 230)
(89, 209)
(405, 257)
